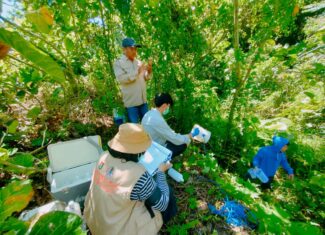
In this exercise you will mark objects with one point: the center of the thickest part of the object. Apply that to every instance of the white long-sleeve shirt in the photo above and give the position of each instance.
(158, 129)
(132, 84)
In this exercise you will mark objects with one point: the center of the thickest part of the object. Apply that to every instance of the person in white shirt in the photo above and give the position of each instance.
(158, 129)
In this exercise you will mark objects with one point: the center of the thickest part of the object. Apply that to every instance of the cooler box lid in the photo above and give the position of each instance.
(73, 153)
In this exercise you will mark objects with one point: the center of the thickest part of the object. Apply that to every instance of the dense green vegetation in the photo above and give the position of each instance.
(243, 69)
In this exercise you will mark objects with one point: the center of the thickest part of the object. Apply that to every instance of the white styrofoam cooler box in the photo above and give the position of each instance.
(71, 166)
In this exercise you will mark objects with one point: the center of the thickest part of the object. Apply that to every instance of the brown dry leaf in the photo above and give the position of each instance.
(295, 10)
(4, 49)
(47, 15)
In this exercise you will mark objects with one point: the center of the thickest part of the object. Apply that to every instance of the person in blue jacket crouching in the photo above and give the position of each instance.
(269, 158)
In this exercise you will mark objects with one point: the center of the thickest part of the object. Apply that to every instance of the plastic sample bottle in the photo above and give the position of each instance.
(178, 177)
(261, 176)
(258, 173)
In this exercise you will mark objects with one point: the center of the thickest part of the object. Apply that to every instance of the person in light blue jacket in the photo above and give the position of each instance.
(269, 159)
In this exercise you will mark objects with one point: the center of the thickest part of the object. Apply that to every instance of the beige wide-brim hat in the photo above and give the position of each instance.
(131, 138)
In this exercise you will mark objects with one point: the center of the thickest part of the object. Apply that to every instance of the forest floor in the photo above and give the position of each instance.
(192, 196)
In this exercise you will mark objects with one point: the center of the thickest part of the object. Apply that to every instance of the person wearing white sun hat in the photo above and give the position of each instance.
(123, 197)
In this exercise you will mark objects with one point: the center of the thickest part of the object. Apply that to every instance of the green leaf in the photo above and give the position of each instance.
(140, 3)
(14, 226)
(20, 94)
(309, 94)
(319, 68)
(270, 43)
(68, 44)
(57, 91)
(15, 197)
(192, 203)
(12, 151)
(12, 127)
(36, 76)
(153, 3)
(65, 13)
(191, 224)
(4, 154)
(23, 159)
(34, 112)
(206, 170)
(58, 222)
(29, 52)
(318, 180)
(186, 175)
(298, 228)
(38, 22)
(37, 142)
(41, 19)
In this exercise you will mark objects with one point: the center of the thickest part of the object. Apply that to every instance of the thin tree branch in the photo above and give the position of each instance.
(41, 148)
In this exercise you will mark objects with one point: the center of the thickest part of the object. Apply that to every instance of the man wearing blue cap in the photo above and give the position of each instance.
(132, 76)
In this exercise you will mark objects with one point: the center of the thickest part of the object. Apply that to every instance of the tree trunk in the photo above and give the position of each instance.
(237, 72)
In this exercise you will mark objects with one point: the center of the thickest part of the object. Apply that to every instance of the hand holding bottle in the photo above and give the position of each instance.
(165, 166)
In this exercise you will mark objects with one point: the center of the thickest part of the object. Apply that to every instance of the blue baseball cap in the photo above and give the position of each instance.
(129, 42)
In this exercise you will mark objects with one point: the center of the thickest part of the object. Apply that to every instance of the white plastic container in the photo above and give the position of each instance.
(72, 207)
(203, 136)
(252, 173)
(178, 177)
(258, 173)
(71, 166)
(32, 216)
(261, 176)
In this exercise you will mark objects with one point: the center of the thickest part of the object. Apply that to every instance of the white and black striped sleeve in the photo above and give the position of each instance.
(145, 187)
(163, 186)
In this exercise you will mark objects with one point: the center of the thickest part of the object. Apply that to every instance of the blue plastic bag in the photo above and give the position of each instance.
(234, 213)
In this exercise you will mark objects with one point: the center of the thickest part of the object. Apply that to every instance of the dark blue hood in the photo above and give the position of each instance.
(279, 142)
